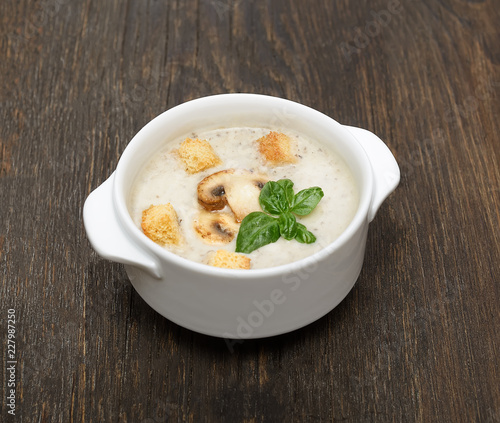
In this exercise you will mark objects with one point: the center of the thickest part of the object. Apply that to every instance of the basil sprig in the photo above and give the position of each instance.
(280, 207)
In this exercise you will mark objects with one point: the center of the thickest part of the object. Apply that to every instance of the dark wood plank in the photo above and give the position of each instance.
(416, 339)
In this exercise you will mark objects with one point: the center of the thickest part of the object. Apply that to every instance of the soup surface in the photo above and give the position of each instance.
(164, 180)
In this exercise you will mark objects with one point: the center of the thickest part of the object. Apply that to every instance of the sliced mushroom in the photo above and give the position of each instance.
(239, 189)
(216, 228)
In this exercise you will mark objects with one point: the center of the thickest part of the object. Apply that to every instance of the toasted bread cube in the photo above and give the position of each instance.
(276, 149)
(228, 260)
(160, 223)
(197, 155)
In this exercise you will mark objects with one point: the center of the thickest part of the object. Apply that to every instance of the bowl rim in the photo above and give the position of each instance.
(146, 244)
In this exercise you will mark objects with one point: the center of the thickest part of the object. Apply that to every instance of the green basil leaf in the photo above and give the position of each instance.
(257, 229)
(303, 235)
(288, 225)
(272, 198)
(306, 200)
(288, 188)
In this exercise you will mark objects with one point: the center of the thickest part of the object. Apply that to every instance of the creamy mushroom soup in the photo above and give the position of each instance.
(165, 180)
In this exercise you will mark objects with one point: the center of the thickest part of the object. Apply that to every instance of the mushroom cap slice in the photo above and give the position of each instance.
(237, 188)
(216, 228)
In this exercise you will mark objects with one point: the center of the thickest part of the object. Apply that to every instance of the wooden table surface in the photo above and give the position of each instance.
(418, 337)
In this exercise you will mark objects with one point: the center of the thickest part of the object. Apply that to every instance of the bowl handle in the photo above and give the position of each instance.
(385, 169)
(106, 234)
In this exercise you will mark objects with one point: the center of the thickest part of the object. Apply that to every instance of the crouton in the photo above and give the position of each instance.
(276, 149)
(228, 260)
(197, 155)
(160, 223)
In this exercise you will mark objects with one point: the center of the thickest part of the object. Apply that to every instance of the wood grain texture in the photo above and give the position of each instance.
(417, 339)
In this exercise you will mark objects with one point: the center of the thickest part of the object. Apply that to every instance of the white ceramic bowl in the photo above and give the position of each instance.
(240, 303)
